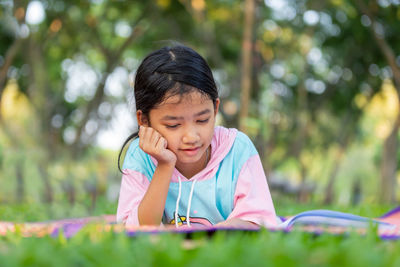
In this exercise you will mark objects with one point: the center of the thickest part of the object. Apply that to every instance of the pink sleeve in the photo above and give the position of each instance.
(252, 199)
(133, 187)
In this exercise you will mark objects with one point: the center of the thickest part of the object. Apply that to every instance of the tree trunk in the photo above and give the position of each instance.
(269, 148)
(20, 190)
(329, 192)
(345, 131)
(304, 193)
(69, 189)
(91, 188)
(356, 193)
(48, 188)
(302, 120)
(389, 165)
(260, 140)
(247, 45)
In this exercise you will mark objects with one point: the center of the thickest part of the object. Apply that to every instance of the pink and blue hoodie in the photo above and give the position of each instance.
(233, 185)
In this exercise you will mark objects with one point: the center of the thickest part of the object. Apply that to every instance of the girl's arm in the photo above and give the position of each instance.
(238, 223)
(151, 208)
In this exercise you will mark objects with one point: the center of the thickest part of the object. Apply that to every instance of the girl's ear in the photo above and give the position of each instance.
(217, 101)
(142, 119)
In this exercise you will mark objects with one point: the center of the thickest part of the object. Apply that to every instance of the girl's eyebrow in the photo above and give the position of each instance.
(169, 118)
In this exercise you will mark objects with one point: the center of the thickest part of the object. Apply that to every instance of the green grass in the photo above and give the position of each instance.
(93, 248)
(31, 212)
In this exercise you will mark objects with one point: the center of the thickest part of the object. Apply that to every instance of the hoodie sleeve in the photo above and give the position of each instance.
(252, 199)
(133, 187)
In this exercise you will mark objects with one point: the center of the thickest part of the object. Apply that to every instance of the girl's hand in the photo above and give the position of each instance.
(151, 142)
(237, 223)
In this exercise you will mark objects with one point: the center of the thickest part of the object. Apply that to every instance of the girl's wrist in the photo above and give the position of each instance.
(167, 158)
(166, 166)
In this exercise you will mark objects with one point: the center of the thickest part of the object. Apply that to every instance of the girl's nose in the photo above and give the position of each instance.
(191, 136)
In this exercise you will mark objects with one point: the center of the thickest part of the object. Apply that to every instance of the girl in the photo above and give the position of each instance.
(183, 170)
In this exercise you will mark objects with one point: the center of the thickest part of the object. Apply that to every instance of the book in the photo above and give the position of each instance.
(333, 218)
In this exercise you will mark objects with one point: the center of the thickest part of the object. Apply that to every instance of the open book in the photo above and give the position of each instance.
(333, 218)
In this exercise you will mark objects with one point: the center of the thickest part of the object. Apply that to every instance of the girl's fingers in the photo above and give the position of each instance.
(161, 144)
(154, 144)
(155, 136)
(165, 142)
(149, 140)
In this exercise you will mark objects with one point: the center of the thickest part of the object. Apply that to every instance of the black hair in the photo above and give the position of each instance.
(176, 70)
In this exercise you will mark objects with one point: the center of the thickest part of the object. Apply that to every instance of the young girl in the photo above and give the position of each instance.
(183, 170)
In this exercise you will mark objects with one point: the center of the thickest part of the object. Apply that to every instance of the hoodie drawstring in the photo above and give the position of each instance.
(177, 202)
(189, 203)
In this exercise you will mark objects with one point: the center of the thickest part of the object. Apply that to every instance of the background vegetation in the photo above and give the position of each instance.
(314, 83)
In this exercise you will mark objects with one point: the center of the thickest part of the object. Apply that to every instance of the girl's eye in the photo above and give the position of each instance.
(172, 126)
(203, 121)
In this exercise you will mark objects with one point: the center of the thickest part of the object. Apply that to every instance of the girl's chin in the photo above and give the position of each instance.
(184, 159)
(188, 160)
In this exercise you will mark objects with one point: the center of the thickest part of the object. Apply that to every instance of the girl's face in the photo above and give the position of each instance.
(187, 123)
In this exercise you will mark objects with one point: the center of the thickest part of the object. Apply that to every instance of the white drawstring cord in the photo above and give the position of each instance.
(177, 202)
(189, 204)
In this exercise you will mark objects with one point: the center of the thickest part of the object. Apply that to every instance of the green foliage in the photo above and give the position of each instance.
(92, 248)
(35, 211)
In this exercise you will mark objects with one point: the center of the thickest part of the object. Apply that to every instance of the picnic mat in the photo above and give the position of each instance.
(314, 221)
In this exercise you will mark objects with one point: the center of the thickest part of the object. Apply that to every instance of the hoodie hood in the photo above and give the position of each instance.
(221, 144)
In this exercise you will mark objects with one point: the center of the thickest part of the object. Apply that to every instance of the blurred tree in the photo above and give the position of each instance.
(66, 61)
(306, 67)
(320, 60)
(247, 56)
(383, 29)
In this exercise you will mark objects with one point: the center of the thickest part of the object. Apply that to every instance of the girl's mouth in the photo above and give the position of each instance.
(191, 151)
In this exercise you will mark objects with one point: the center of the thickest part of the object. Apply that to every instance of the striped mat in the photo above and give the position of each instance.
(318, 222)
